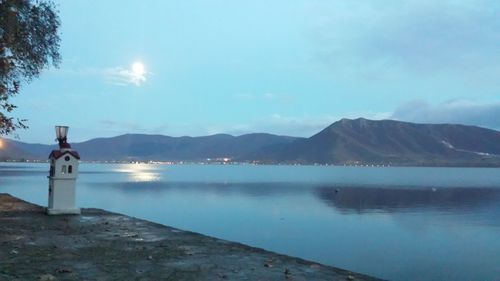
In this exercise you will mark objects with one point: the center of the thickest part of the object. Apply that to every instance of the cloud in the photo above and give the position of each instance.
(265, 97)
(124, 127)
(117, 75)
(421, 37)
(121, 125)
(123, 77)
(303, 126)
(285, 125)
(455, 111)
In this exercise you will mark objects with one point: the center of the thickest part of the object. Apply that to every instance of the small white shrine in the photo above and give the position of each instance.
(62, 176)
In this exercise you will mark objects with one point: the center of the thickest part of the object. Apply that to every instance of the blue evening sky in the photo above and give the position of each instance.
(281, 66)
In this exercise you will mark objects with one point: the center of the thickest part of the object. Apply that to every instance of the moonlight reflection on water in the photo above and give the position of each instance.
(140, 172)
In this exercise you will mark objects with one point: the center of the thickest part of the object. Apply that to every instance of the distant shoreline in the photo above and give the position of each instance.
(367, 165)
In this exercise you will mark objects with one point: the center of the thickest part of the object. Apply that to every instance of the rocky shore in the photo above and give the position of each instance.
(100, 245)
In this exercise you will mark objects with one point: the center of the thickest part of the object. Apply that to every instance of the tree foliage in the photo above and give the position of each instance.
(29, 42)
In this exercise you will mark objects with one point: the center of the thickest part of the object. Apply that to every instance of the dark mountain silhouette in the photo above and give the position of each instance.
(351, 142)
(16, 150)
(363, 141)
(158, 147)
(154, 147)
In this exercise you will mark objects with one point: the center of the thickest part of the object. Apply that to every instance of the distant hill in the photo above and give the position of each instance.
(158, 147)
(140, 147)
(363, 141)
(352, 142)
(16, 150)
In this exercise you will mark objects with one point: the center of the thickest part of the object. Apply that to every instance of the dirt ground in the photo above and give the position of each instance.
(100, 245)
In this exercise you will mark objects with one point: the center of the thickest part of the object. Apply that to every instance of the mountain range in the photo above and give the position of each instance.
(345, 142)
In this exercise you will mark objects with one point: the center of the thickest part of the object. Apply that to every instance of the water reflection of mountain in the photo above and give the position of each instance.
(365, 199)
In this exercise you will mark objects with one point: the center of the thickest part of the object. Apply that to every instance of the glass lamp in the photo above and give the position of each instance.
(61, 134)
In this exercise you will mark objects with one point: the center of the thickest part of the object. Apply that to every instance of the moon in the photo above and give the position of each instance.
(138, 69)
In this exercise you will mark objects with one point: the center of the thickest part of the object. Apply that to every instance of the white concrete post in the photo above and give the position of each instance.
(62, 179)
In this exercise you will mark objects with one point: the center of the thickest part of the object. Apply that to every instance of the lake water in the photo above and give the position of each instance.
(393, 223)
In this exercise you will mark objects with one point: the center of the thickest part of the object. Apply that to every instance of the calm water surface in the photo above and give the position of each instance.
(393, 223)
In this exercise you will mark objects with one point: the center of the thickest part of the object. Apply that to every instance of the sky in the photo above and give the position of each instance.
(284, 67)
